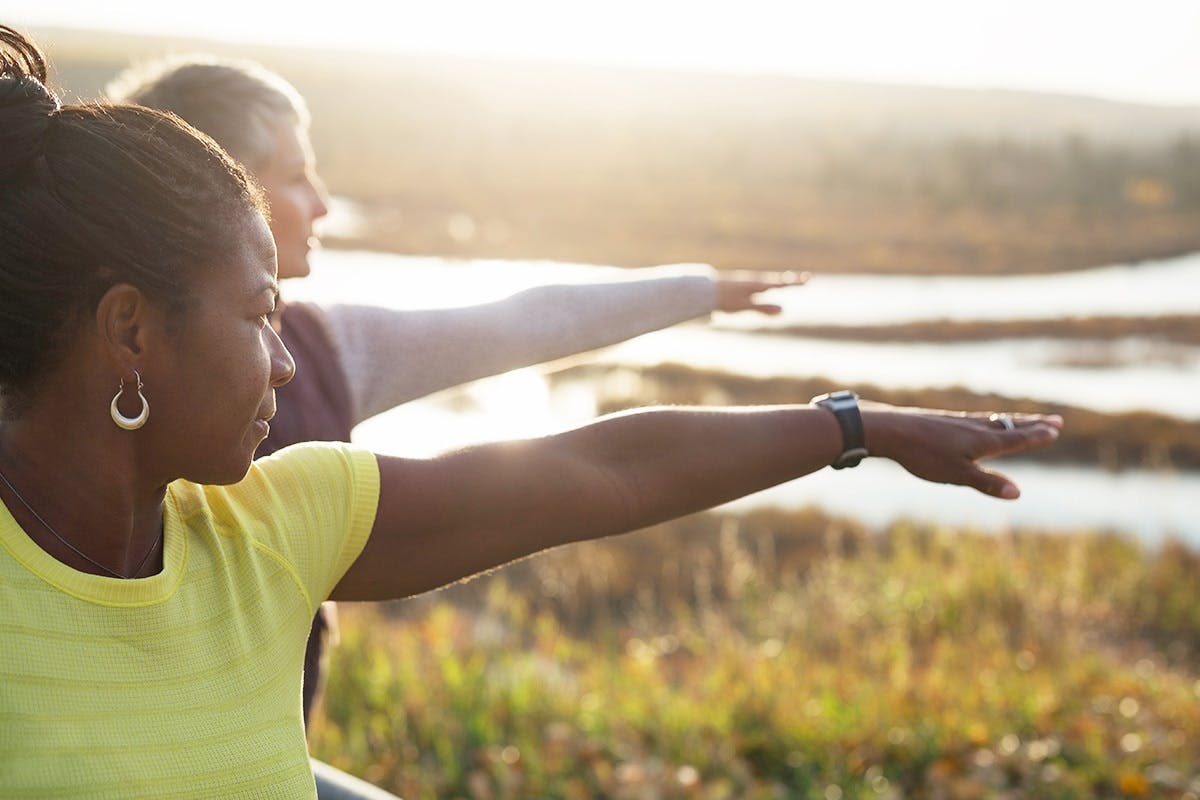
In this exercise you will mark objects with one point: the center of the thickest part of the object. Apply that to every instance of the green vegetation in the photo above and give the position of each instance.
(775, 656)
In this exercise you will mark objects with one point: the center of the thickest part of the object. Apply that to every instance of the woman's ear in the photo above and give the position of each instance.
(123, 322)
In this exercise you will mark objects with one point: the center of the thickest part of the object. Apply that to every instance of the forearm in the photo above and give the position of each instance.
(675, 461)
(475, 509)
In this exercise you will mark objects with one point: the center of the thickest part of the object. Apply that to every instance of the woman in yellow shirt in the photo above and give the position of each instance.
(156, 594)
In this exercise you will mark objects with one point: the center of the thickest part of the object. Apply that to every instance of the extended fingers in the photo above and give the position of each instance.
(1008, 434)
(1017, 433)
(1053, 420)
(739, 295)
(781, 280)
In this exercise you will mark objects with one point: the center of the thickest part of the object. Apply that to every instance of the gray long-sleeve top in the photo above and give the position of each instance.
(392, 356)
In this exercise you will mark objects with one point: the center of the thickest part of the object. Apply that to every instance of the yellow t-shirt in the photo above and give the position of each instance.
(185, 684)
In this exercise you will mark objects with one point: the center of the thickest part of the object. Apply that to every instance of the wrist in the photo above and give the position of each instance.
(843, 405)
(876, 431)
(883, 430)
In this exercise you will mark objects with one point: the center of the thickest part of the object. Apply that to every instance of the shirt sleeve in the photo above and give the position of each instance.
(318, 503)
(392, 356)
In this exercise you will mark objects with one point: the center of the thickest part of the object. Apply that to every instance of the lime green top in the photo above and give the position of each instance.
(185, 684)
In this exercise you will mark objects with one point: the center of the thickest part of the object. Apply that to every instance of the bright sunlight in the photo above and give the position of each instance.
(1150, 53)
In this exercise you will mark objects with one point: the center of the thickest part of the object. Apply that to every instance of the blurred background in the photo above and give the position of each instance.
(1000, 206)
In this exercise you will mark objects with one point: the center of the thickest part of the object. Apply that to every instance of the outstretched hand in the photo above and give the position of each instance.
(737, 291)
(946, 447)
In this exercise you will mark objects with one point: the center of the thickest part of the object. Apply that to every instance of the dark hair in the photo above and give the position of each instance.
(238, 103)
(92, 195)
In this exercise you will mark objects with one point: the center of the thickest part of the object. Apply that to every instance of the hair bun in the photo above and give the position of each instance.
(26, 105)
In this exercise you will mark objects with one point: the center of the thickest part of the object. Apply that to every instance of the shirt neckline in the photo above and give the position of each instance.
(102, 589)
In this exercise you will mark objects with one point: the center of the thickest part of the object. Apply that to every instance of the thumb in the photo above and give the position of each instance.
(994, 484)
(767, 308)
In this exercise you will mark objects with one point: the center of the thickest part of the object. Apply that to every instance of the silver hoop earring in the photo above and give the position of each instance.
(130, 423)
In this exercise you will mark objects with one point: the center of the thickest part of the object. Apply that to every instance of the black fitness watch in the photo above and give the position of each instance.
(844, 405)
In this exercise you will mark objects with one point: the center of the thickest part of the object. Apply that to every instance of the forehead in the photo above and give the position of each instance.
(250, 264)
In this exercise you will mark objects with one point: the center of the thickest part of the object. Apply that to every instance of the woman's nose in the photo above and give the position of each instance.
(283, 366)
(320, 198)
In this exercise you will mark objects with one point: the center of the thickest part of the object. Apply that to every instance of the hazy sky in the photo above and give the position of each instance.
(1146, 51)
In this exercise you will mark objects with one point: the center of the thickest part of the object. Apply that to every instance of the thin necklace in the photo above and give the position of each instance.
(75, 549)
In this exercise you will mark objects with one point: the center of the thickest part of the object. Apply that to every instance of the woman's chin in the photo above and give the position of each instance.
(220, 476)
(236, 467)
(296, 267)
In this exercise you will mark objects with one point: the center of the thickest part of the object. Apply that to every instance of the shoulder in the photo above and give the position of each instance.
(310, 462)
(307, 480)
(308, 509)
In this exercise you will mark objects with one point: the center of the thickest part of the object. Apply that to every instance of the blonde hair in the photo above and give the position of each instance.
(239, 103)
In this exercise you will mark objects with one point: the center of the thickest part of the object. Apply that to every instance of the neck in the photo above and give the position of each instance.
(78, 494)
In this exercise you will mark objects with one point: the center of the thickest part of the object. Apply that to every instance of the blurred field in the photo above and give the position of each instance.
(776, 656)
(510, 160)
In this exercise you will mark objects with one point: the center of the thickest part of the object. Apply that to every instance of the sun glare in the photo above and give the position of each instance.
(1148, 53)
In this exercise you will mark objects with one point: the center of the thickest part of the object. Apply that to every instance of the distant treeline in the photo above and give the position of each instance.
(1008, 175)
(583, 164)
(960, 206)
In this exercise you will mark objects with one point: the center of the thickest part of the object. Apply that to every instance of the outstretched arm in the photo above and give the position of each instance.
(443, 519)
(391, 356)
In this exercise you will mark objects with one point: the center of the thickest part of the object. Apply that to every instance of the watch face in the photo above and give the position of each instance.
(840, 400)
(843, 398)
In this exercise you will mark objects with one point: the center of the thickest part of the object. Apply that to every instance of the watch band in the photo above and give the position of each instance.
(844, 405)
